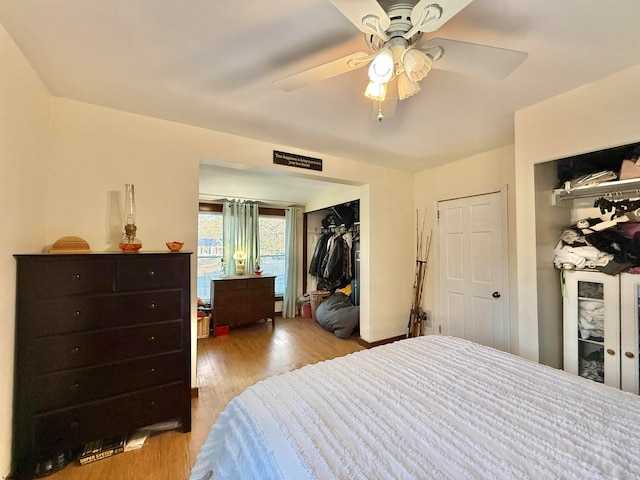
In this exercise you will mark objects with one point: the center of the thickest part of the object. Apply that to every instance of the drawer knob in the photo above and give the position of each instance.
(152, 370)
(76, 276)
(151, 339)
(151, 273)
(152, 404)
(152, 306)
(629, 354)
(74, 387)
(611, 351)
(77, 314)
(74, 425)
(75, 350)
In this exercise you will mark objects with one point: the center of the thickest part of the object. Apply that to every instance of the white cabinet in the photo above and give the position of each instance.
(629, 336)
(601, 327)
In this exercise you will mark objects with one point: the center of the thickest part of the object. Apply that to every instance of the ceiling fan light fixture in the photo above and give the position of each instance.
(416, 63)
(376, 91)
(381, 68)
(406, 86)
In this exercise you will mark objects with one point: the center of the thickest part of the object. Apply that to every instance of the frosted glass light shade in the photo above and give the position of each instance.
(381, 68)
(416, 63)
(406, 86)
(376, 91)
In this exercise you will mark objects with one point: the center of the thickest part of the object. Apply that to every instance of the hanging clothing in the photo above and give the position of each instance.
(333, 262)
(332, 259)
(318, 254)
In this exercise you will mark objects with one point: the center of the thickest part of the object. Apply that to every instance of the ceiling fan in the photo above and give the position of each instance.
(398, 57)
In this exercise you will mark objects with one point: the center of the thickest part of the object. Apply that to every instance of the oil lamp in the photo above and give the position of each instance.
(129, 242)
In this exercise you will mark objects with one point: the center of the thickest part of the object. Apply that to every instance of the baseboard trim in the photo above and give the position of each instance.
(194, 392)
(380, 342)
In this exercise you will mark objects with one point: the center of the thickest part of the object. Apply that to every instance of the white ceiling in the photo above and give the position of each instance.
(272, 188)
(211, 63)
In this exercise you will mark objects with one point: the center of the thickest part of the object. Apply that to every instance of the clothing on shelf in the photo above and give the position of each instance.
(610, 246)
(591, 320)
(591, 370)
(591, 366)
(573, 251)
(581, 257)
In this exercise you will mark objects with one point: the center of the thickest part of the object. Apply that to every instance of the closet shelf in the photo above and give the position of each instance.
(619, 189)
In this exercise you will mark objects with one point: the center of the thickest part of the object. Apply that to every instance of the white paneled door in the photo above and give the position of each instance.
(472, 299)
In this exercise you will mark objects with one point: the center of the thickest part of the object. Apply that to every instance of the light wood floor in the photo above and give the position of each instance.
(226, 366)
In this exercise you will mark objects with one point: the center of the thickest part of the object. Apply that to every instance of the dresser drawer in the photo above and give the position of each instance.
(243, 313)
(262, 283)
(231, 298)
(75, 350)
(229, 285)
(73, 387)
(231, 315)
(263, 293)
(50, 277)
(151, 273)
(73, 427)
(92, 312)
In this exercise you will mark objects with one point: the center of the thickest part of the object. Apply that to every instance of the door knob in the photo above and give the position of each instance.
(495, 294)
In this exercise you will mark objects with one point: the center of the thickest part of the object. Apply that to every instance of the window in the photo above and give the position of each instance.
(272, 242)
(209, 250)
(210, 247)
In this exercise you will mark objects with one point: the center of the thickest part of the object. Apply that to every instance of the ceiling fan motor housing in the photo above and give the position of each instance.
(400, 15)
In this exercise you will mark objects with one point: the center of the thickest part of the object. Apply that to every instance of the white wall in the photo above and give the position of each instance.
(599, 115)
(478, 174)
(24, 136)
(96, 150)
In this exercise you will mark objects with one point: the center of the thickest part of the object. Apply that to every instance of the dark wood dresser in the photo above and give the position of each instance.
(242, 299)
(102, 348)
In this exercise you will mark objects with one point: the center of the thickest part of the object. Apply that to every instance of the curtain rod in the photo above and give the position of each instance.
(265, 202)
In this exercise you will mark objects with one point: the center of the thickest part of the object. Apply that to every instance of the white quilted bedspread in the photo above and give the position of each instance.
(425, 408)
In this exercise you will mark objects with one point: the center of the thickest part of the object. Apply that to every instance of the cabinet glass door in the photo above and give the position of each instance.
(591, 330)
(592, 326)
(629, 336)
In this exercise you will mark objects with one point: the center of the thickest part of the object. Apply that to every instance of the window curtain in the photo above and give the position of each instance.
(240, 236)
(289, 304)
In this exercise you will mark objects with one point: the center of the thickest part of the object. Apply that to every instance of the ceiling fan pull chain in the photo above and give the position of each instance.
(380, 116)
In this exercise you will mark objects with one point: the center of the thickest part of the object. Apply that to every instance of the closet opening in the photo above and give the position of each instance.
(595, 187)
(331, 267)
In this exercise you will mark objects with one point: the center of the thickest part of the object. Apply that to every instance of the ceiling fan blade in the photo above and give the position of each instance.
(357, 10)
(422, 18)
(473, 59)
(322, 72)
(387, 107)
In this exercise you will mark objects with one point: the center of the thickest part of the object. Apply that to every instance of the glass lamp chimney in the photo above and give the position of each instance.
(130, 205)
(129, 242)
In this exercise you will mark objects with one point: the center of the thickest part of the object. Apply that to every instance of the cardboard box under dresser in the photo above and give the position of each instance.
(102, 348)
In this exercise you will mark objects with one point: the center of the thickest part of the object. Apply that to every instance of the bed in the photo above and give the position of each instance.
(430, 407)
